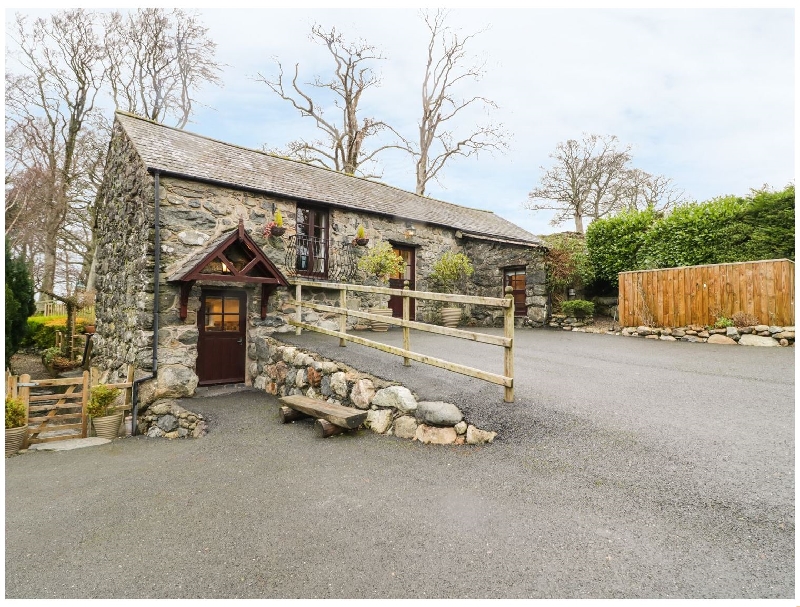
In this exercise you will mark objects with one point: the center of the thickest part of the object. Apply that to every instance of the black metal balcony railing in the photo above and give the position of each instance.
(318, 258)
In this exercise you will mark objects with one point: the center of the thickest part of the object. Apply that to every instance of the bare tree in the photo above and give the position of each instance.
(446, 68)
(47, 107)
(587, 179)
(157, 60)
(342, 148)
(646, 191)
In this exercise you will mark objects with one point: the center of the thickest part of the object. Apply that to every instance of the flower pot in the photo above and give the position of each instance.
(88, 329)
(277, 232)
(14, 439)
(361, 242)
(107, 426)
(376, 325)
(451, 317)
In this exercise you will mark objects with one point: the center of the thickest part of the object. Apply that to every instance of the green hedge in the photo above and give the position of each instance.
(42, 331)
(722, 230)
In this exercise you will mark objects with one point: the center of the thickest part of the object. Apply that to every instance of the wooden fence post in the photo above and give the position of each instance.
(508, 351)
(343, 317)
(406, 330)
(84, 403)
(298, 296)
(25, 395)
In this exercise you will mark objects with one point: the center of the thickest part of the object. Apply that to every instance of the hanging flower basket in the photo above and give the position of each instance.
(277, 232)
(361, 242)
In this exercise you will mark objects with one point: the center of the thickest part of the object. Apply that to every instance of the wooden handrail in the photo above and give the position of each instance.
(506, 341)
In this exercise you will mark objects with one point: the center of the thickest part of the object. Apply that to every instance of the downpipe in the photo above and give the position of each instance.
(156, 279)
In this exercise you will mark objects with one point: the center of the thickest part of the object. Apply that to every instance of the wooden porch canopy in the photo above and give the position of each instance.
(232, 257)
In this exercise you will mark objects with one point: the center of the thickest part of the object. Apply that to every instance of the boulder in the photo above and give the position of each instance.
(438, 413)
(436, 436)
(476, 436)
(757, 340)
(397, 397)
(405, 427)
(379, 420)
(339, 384)
(362, 393)
(721, 339)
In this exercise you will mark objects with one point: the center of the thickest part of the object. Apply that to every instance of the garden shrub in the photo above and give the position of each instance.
(101, 401)
(450, 273)
(42, 330)
(723, 230)
(15, 413)
(567, 262)
(613, 244)
(19, 302)
(577, 308)
(743, 319)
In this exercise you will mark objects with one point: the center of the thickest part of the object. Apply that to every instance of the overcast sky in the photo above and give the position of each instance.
(705, 97)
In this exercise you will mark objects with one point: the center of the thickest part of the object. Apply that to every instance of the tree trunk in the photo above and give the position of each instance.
(579, 223)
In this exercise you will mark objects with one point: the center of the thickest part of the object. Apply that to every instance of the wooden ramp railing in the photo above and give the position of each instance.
(506, 341)
(57, 407)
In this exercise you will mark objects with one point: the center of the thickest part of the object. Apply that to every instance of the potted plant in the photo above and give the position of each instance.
(361, 236)
(275, 227)
(100, 409)
(16, 428)
(449, 275)
(381, 262)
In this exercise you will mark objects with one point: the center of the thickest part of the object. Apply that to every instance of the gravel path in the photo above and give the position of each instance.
(625, 469)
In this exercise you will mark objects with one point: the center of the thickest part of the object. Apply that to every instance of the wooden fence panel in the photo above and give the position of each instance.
(698, 295)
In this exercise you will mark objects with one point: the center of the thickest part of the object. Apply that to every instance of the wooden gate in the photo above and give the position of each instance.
(56, 408)
(677, 297)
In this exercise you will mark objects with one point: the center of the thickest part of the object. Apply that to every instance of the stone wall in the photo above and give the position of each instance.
(490, 259)
(124, 261)
(758, 335)
(284, 370)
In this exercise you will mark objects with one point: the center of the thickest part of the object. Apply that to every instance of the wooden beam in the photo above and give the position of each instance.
(290, 415)
(476, 336)
(429, 360)
(324, 428)
(498, 302)
(508, 351)
(346, 417)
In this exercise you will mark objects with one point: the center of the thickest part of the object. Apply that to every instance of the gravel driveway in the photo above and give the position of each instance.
(625, 469)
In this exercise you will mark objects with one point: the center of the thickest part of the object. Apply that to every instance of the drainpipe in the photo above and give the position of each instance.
(156, 279)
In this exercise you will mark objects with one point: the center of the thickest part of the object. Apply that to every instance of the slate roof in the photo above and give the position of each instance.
(175, 151)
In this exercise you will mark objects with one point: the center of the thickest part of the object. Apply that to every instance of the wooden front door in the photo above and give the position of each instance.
(222, 343)
(398, 281)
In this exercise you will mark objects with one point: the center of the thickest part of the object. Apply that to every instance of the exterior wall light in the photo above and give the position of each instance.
(410, 230)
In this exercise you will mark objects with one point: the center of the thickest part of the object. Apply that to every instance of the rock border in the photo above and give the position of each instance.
(758, 335)
(392, 409)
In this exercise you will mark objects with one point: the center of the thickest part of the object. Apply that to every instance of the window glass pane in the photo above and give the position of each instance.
(231, 322)
(213, 322)
(214, 305)
(302, 221)
(231, 305)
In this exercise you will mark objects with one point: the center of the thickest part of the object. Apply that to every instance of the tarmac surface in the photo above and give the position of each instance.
(625, 468)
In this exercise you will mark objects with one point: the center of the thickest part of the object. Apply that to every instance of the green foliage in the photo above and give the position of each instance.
(101, 400)
(42, 330)
(450, 272)
(722, 230)
(722, 321)
(49, 355)
(15, 413)
(361, 232)
(19, 302)
(278, 218)
(567, 262)
(577, 308)
(613, 244)
(382, 262)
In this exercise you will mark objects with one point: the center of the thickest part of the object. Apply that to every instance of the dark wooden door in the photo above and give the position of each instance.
(515, 278)
(398, 281)
(222, 343)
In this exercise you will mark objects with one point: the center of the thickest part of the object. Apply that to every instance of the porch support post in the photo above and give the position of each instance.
(343, 317)
(298, 295)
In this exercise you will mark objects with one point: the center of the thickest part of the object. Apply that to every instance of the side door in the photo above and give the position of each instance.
(222, 343)
(398, 281)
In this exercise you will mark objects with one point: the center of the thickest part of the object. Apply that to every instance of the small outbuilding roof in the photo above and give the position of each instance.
(178, 152)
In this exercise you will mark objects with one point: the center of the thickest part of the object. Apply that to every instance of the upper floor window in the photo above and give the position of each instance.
(312, 241)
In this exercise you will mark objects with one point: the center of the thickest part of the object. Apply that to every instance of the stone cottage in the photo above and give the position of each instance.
(196, 208)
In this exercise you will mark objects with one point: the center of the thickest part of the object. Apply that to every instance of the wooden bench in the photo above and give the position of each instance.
(331, 419)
